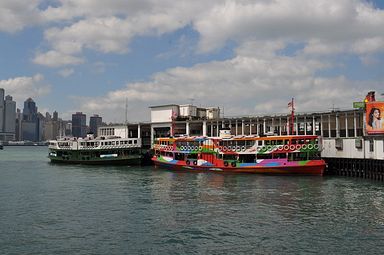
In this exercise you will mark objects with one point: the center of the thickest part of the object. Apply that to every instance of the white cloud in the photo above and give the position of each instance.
(243, 85)
(330, 22)
(56, 59)
(21, 88)
(66, 72)
(17, 14)
(324, 26)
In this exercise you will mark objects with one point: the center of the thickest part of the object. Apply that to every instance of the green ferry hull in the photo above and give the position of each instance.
(95, 158)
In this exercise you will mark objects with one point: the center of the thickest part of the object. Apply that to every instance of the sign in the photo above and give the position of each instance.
(374, 118)
(360, 105)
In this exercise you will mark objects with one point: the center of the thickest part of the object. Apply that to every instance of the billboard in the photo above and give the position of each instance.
(374, 117)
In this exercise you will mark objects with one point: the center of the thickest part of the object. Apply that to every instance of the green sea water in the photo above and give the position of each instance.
(74, 209)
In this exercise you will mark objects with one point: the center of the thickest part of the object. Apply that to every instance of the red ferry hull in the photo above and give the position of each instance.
(315, 167)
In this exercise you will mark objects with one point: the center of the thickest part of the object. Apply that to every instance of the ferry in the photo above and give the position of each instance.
(112, 150)
(291, 154)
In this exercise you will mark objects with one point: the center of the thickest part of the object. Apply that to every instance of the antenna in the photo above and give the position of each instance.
(191, 99)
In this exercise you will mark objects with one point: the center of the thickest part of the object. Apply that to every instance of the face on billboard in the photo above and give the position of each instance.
(374, 117)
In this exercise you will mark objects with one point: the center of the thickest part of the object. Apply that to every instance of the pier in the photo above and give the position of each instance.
(347, 147)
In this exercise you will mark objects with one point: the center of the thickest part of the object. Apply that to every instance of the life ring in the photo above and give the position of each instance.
(233, 164)
(243, 148)
(182, 148)
(292, 147)
(195, 162)
(187, 162)
(224, 148)
(195, 148)
(310, 146)
(225, 163)
(238, 148)
(200, 148)
(258, 148)
(304, 146)
(280, 147)
(286, 147)
(188, 148)
(316, 146)
(298, 146)
(269, 147)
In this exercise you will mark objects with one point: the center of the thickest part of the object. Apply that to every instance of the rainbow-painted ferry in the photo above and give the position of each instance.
(291, 154)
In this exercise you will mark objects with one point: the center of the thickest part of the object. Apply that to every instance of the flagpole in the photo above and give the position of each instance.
(292, 116)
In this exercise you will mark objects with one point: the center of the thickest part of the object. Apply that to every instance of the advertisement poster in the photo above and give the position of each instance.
(374, 118)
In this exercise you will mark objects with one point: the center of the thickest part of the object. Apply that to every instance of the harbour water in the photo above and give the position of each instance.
(73, 209)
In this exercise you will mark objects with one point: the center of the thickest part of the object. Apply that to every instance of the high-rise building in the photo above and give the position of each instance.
(79, 124)
(29, 110)
(7, 117)
(10, 115)
(55, 116)
(95, 121)
(30, 124)
(51, 127)
(2, 119)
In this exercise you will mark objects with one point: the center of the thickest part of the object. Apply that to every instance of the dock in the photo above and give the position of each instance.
(349, 148)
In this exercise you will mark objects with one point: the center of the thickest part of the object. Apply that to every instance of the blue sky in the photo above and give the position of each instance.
(249, 57)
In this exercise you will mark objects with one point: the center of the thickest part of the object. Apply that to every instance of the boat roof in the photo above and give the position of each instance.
(238, 137)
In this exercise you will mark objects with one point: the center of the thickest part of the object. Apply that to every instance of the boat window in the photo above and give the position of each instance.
(229, 157)
(298, 156)
(260, 142)
(241, 143)
(264, 156)
(192, 156)
(279, 142)
(247, 158)
(135, 141)
(179, 156)
(130, 141)
(279, 155)
(267, 142)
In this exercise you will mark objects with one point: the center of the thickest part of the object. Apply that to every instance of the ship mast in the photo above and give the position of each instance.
(126, 110)
(173, 125)
(291, 124)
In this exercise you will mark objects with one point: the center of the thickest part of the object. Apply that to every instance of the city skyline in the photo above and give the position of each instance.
(248, 57)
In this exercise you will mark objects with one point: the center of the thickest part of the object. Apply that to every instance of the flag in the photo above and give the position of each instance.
(290, 104)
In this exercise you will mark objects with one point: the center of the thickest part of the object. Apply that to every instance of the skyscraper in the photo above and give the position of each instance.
(2, 119)
(79, 124)
(95, 121)
(30, 124)
(9, 115)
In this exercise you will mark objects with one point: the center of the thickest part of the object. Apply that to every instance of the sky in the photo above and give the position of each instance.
(247, 57)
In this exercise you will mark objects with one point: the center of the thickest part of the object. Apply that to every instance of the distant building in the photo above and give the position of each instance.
(31, 129)
(79, 126)
(2, 119)
(10, 115)
(95, 121)
(55, 116)
(7, 117)
(52, 127)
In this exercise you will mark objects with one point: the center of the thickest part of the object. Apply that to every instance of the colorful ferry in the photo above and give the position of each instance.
(111, 150)
(291, 154)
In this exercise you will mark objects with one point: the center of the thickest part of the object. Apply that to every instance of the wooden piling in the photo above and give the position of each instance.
(358, 168)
